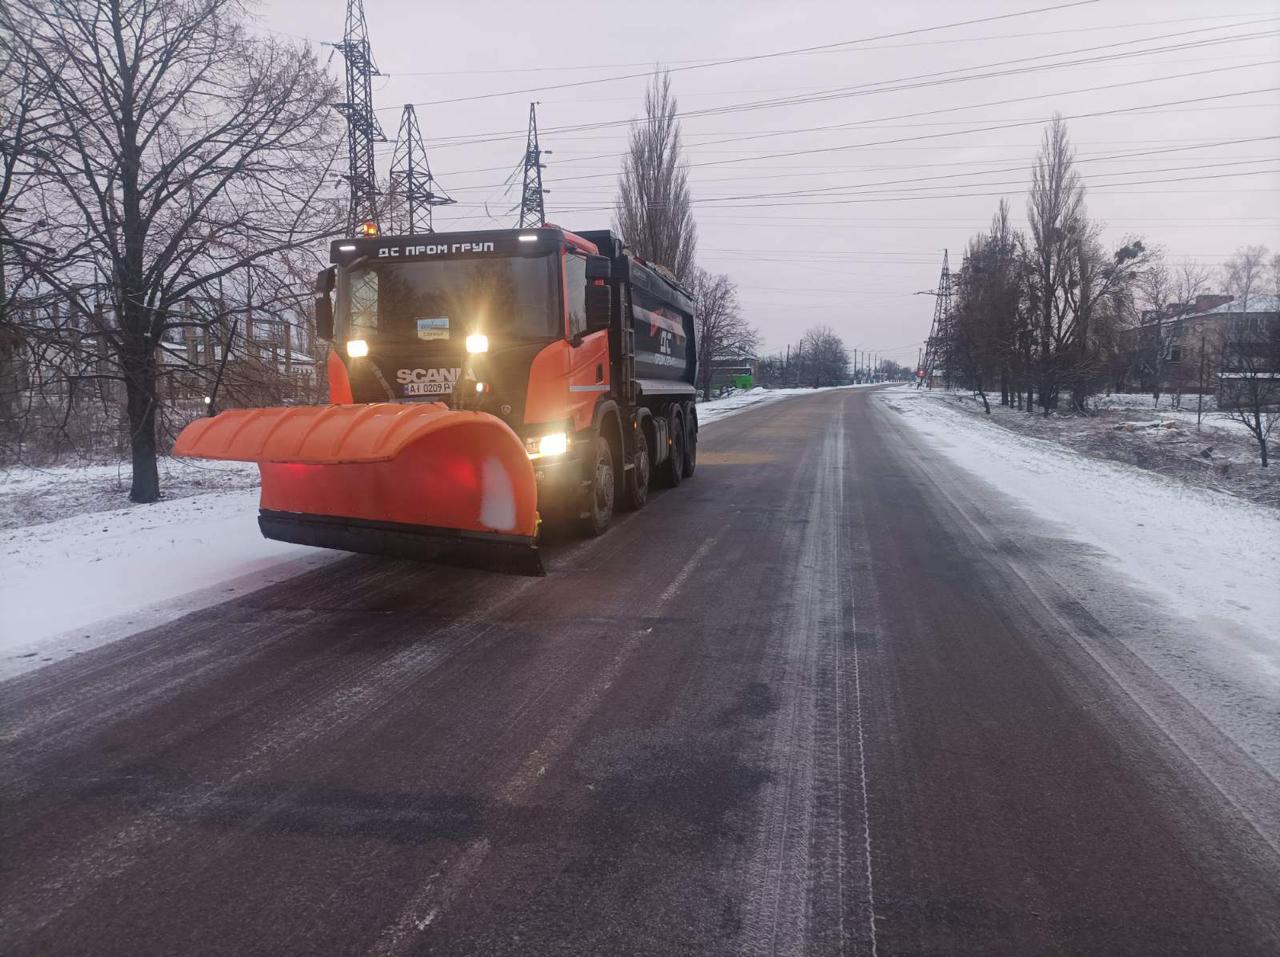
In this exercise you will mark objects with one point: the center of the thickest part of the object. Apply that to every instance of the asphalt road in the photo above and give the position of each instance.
(829, 696)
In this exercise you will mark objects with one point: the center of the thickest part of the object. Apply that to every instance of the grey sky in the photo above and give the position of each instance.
(852, 257)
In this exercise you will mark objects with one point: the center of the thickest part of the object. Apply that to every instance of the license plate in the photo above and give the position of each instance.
(428, 388)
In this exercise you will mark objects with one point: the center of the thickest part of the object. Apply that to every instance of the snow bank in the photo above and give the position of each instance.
(1203, 552)
(70, 585)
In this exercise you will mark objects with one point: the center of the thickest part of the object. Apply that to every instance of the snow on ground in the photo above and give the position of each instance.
(70, 585)
(32, 496)
(1218, 454)
(80, 568)
(740, 401)
(1206, 554)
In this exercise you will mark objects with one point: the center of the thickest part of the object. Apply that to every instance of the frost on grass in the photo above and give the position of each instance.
(1219, 455)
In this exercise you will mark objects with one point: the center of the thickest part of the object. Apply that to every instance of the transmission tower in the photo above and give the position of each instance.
(940, 331)
(411, 178)
(532, 213)
(362, 125)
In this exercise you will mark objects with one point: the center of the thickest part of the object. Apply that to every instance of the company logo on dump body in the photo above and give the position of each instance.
(428, 381)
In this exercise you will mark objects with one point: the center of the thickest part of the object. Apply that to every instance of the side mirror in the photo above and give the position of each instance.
(599, 267)
(599, 307)
(324, 317)
(324, 306)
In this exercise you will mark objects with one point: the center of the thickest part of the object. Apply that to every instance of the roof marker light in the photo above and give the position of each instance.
(347, 248)
(529, 238)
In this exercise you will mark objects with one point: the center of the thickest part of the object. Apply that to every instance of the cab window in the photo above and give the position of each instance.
(575, 274)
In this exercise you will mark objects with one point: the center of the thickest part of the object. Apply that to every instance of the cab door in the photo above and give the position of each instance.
(589, 352)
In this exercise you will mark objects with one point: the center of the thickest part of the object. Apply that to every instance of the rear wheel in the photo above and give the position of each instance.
(639, 474)
(673, 467)
(690, 439)
(600, 494)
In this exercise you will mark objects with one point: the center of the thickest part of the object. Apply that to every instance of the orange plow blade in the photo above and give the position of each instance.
(414, 481)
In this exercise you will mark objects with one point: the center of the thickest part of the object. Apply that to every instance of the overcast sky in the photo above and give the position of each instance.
(899, 145)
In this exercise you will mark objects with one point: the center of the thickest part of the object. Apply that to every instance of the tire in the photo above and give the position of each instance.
(600, 493)
(638, 477)
(673, 468)
(690, 440)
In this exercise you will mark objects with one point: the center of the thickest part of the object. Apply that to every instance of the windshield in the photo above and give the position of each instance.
(507, 299)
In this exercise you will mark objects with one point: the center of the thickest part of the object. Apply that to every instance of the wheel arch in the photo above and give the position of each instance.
(607, 422)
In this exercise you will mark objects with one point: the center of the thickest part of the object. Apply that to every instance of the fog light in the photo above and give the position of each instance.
(477, 343)
(357, 348)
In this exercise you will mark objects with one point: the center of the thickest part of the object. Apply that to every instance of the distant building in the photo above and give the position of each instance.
(1168, 346)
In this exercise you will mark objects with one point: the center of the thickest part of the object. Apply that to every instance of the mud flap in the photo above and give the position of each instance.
(419, 481)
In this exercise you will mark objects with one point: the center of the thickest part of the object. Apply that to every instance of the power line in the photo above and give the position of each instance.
(713, 60)
(761, 56)
(940, 78)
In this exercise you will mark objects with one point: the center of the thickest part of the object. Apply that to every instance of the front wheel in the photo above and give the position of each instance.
(600, 493)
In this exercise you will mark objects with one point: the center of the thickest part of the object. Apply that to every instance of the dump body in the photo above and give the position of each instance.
(474, 377)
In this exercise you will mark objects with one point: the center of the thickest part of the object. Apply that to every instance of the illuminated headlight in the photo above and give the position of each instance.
(357, 348)
(477, 343)
(553, 443)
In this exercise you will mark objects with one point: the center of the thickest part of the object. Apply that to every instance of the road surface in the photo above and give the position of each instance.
(830, 696)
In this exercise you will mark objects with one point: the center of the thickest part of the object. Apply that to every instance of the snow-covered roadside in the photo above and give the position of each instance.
(716, 409)
(32, 496)
(82, 581)
(1204, 553)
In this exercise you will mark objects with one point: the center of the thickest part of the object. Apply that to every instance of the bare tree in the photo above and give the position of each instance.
(1250, 376)
(179, 151)
(1056, 216)
(822, 358)
(1156, 285)
(723, 332)
(654, 210)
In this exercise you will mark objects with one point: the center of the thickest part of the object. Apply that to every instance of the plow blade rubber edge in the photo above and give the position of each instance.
(413, 481)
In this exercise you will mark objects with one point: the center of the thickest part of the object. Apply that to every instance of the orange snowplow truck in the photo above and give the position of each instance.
(481, 383)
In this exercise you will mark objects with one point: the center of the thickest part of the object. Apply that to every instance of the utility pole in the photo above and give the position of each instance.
(939, 332)
(362, 125)
(411, 176)
(1200, 385)
(532, 214)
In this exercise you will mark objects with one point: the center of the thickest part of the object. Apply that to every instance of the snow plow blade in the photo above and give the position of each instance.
(409, 481)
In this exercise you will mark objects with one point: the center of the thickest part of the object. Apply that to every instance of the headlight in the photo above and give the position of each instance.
(357, 348)
(553, 443)
(477, 343)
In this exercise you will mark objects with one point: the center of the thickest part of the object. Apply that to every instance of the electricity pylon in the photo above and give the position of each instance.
(532, 213)
(411, 179)
(940, 331)
(362, 125)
